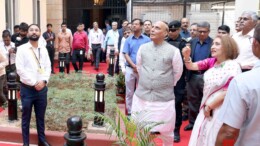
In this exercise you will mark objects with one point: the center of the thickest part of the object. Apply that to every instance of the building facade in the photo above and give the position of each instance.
(14, 12)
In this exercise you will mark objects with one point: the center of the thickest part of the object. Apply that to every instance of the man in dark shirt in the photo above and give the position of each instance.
(175, 39)
(16, 31)
(200, 47)
(49, 36)
(21, 38)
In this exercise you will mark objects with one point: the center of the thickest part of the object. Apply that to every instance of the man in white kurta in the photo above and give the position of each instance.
(159, 66)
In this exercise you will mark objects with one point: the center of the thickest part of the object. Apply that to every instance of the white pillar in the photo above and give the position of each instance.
(43, 15)
(246, 5)
(129, 10)
(2, 16)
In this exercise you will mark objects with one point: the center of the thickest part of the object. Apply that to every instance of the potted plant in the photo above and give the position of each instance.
(137, 129)
(120, 83)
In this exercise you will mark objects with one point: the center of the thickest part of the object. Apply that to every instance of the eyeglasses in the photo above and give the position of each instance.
(173, 30)
(200, 31)
(243, 18)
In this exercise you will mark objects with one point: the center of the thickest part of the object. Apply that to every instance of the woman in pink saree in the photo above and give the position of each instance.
(221, 68)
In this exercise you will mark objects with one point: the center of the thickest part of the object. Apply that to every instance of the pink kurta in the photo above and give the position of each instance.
(216, 80)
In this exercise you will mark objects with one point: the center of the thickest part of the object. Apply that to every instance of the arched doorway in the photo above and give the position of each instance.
(87, 11)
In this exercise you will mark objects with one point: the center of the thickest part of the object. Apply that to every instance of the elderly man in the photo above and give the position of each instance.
(159, 66)
(184, 28)
(246, 58)
(201, 47)
(241, 108)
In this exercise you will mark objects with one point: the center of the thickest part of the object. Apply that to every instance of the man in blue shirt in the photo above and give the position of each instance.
(200, 47)
(184, 28)
(130, 50)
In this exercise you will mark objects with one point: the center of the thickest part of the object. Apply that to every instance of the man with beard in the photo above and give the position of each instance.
(34, 68)
(184, 28)
(174, 38)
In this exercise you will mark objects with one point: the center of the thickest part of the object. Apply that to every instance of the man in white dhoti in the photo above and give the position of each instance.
(159, 66)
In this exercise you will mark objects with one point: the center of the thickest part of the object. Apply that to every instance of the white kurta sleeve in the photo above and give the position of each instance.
(139, 60)
(177, 66)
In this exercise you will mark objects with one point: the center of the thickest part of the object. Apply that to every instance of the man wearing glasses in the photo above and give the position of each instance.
(246, 58)
(200, 47)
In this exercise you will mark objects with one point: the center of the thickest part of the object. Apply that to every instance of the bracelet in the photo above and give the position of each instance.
(185, 61)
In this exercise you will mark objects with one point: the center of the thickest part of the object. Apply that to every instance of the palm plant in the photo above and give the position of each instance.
(137, 129)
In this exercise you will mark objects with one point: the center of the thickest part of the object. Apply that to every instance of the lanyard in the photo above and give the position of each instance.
(35, 57)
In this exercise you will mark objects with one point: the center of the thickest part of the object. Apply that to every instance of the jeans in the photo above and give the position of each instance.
(29, 98)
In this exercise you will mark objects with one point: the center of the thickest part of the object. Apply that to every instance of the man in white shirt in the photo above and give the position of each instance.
(127, 32)
(240, 112)
(246, 59)
(110, 42)
(7, 47)
(96, 38)
(3, 64)
(34, 68)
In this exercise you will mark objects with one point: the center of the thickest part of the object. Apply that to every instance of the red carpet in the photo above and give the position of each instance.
(87, 68)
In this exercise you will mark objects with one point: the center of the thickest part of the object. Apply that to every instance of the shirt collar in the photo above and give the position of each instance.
(250, 33)
(207, 41)
(133, 36)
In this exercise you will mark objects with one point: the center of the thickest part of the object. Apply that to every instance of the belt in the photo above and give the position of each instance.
(79, 48)
(110, 45)
(96, 44)
(198, 72)
(27, 86)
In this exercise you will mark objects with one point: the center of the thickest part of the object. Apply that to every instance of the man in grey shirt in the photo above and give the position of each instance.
(241, 107)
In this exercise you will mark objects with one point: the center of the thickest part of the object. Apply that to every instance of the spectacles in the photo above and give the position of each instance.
(200, 31)
(173, 30)
(243, 18)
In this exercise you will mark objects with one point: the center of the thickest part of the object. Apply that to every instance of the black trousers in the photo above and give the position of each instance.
(38, 99)
(67, 61)
(51, 52)
(78, 55)
(194, 94)
(179, 96)
(96, 51)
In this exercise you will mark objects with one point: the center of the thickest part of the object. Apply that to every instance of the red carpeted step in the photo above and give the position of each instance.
(86, 68)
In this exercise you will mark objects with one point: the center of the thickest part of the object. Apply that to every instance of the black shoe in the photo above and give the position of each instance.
(188, 127)
(177, 137)
(96, 68)
(52, 72)
(92, 63)
(184, 117)
(25, 144)
(45, 143)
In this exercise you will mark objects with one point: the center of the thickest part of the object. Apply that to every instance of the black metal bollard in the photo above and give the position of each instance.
(100, 86)
(75, 136)
(62, 62)
(13, 87)
(111, 63)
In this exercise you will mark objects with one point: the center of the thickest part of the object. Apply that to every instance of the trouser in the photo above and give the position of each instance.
(67, 61)
(51, 52)
(31, 97)
(178, 107)
(2, 85)
(96, 50)
(78, 55)
(131, 80)
(194, 94)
